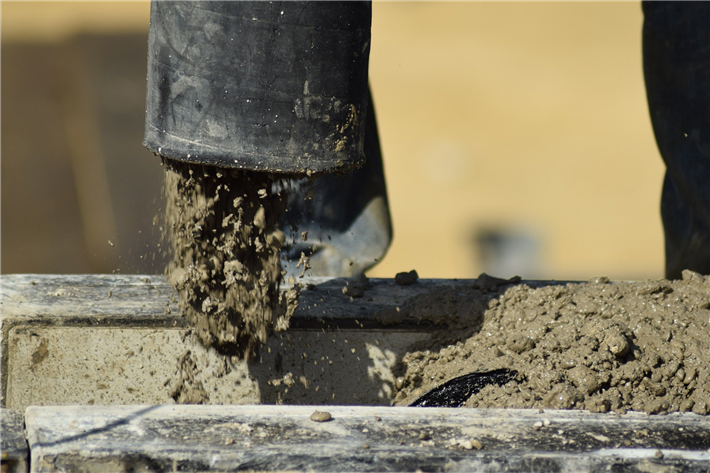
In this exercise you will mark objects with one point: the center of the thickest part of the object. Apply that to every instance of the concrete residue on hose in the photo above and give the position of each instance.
(598, 346)
(224, 236)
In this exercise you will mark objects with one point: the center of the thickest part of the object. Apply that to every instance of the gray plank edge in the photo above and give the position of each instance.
(106, 299)
(275, 438)
(15, 453)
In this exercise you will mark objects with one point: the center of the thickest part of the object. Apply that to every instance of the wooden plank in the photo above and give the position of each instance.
(15, 453)
(280, 438)
(94, 300)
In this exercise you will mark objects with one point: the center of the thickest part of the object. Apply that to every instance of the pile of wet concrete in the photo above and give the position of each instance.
(599, 345)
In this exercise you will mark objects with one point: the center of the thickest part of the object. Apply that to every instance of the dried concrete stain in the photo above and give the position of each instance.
(598, 345)
(41, 353)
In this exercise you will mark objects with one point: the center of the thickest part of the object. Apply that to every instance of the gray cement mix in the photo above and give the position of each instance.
(600, 346)
(222, 228)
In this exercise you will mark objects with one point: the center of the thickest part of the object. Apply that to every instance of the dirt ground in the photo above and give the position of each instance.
(599, 345)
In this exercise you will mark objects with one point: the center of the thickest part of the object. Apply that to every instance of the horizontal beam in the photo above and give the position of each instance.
(279, 438)
(117, 339)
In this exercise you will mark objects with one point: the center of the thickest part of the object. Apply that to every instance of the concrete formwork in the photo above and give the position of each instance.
(92, 360)
(110, 340)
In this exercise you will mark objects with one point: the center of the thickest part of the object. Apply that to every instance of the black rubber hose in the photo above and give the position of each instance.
(455, 392)
(279, 87)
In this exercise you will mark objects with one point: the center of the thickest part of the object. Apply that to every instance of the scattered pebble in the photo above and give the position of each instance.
(465, 444)
(406, 278)
(354, 290)
(321, 416)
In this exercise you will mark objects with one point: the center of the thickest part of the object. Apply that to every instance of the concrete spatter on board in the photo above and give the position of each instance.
(286, 438)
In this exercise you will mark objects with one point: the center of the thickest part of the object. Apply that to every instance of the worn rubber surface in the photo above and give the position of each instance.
(265, 86)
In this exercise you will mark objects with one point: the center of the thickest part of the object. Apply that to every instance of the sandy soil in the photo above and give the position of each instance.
(598, 345)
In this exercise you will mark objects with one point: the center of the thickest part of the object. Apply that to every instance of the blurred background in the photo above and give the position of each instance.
(515, 136)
